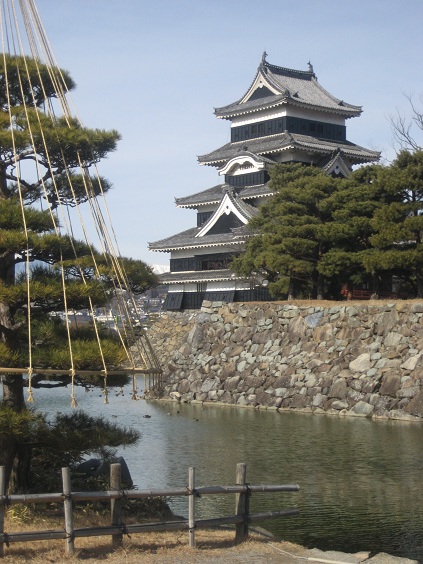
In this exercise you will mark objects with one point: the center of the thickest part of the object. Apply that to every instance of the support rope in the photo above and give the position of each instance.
(41, 50)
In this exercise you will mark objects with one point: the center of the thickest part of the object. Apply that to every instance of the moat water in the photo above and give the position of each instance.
(360, 480)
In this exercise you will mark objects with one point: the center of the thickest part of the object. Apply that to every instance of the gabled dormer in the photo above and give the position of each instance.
(338, 166)
(246, 169)
(231, 214)
(261, 87)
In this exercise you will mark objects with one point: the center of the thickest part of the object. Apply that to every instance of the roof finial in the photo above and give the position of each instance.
(263, 58)
(310, 67)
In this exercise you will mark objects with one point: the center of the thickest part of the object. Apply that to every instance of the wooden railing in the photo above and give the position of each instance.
(117, 528)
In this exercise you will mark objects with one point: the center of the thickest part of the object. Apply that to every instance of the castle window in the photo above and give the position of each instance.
(202, 217)
(293, 125)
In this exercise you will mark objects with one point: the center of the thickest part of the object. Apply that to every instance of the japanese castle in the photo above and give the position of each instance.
(284, 117)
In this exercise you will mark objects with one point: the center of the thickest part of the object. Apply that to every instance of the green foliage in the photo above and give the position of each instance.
(44, 156)
(348, 234)
(68, 439)
(50, 347)
(78, 434)
(63, 441)
(288, 243)
(318, 232)
(398, 226)
(20, 425)
(29, 81)
(140, 276)
(61, 148)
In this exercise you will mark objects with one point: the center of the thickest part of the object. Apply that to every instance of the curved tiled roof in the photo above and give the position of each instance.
(293, 87)
(196, 276)
(215, 194)
(212, 195)
(188, 240)
(246, 210)
(284, 141)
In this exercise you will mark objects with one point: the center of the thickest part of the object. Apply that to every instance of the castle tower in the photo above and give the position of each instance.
(284, 117)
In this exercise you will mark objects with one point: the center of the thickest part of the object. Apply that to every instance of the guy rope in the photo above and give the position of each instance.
(47, 155)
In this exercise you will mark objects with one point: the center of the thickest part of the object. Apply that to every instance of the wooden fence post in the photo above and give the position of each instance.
(116, 504)
(191, 507)
(68, 507)
(242, 503)
(2, 504)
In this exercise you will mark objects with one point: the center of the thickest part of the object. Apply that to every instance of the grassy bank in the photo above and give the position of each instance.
(160, 548)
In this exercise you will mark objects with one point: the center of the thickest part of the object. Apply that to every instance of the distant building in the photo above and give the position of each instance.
(284, 117)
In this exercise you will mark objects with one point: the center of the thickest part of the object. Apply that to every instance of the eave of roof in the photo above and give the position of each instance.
(188, 240)
(197, 276)
(211, 195)
(214, 196)
(286, 141)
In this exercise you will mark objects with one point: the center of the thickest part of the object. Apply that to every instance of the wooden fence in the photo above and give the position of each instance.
(116, 495)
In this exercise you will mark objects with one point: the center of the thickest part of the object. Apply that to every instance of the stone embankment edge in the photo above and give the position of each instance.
(350, 359)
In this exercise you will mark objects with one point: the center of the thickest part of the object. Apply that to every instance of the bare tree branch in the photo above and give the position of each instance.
(407, 129)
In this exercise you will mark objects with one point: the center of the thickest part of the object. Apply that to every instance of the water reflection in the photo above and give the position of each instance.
(360, 480)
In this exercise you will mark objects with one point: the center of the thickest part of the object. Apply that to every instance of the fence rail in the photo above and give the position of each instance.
(116, 495)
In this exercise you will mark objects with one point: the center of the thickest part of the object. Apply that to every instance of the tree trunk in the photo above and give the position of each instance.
(291, 289)
(419, 284)
(375, 285)
(13, 394)
(318, 282)
(12, 452)
(20, 475)
(7, 456)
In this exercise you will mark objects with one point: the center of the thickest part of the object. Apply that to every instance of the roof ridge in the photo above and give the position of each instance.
(243, 207)
(284, 70)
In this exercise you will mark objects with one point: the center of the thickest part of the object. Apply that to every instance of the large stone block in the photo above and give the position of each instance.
(231, 383)
(184, 386)
(228, 370)
(299, 401)
(360, 364)
(297, 329)
(195, 337)
(209, 384)
(313, 320)
(323, 333)
(386, 322)
(241, 335)
(391, 383)
(195, 386)
(362, 409)
(392, 339)
(411, 363)
(338, 389)
(339, 404)
(265, 399)
(415, 407)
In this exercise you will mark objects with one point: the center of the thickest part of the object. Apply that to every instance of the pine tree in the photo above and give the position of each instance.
(398, 226)
(44, 158)
(287, 244)
(349, 232)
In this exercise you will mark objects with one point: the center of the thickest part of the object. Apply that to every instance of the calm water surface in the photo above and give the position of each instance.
(360, 480)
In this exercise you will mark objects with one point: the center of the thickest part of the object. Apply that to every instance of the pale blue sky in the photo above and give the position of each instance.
(155, 71)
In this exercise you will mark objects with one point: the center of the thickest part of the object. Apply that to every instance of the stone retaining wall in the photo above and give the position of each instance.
(350, 359)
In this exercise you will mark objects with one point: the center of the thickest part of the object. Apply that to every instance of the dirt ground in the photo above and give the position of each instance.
(213, 547)
(157, 548)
